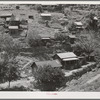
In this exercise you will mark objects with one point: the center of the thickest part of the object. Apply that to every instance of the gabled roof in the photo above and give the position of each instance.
(66, 55)
(53, 63)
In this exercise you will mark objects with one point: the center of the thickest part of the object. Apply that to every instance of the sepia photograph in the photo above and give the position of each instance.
(49, 47)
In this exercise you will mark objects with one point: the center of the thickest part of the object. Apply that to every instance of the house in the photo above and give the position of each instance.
(14, 22)
(45, 38)
(46, 16)
(72, 38)
(78, 25)
(52, 63)
(6, 15)
(68, 59)
(13, 29)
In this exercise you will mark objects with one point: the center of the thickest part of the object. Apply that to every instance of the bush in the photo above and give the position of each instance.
(49, 78)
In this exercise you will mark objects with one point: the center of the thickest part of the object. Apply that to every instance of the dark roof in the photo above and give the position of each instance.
(53, 63)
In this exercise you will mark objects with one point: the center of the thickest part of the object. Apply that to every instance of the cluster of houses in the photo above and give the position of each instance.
(66, 60)
(12, 24)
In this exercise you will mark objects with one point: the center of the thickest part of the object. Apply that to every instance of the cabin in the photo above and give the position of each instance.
(46, 16)
(72, 38)
(45, 39)
(14, 22)
(68, 60)
(78, 25)
(13, 29)
(52, 63)
(6, 15)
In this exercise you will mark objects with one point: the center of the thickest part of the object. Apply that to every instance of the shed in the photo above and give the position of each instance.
(52, 63)
(46, 16)
(72, 38)
(68, 59)
(78, 25)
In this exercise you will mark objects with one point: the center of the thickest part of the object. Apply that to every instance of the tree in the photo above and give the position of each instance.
(39, 8)
(8, 64)
(49, 78)
(86, 43)
(13, 72)
(92, 23)
(33, 38)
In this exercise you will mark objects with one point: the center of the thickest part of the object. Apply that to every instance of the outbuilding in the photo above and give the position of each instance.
(78, 25)
(52, 63)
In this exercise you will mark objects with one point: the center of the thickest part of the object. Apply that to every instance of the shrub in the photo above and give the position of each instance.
(49, 78)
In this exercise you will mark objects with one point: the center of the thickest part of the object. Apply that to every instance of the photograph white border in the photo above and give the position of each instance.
(49, 95)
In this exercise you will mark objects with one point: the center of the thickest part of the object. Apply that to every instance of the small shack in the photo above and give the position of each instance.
(68, 59)
(72, 38)
(78, 25)
(52, 63)
(46, 16)
(13, 29)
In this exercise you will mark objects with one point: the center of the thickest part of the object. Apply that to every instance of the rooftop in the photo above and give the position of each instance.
(53, 63)
(9, 18)
(66, 55)
(78, 23)
(45, 14)
(13, 27)
(6, 14)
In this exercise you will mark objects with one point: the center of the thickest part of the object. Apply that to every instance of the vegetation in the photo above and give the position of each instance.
(33, 38)
(49, 78)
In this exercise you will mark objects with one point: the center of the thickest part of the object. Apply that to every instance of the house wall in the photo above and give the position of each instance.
(13, 31)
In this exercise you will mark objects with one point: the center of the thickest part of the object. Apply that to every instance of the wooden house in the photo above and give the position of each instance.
(52, 63)
(14, 22)
(68, 59)
(13, 29)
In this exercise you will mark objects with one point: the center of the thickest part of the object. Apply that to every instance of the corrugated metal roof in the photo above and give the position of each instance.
(13, 27)
(53, 63)
(66, 55)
